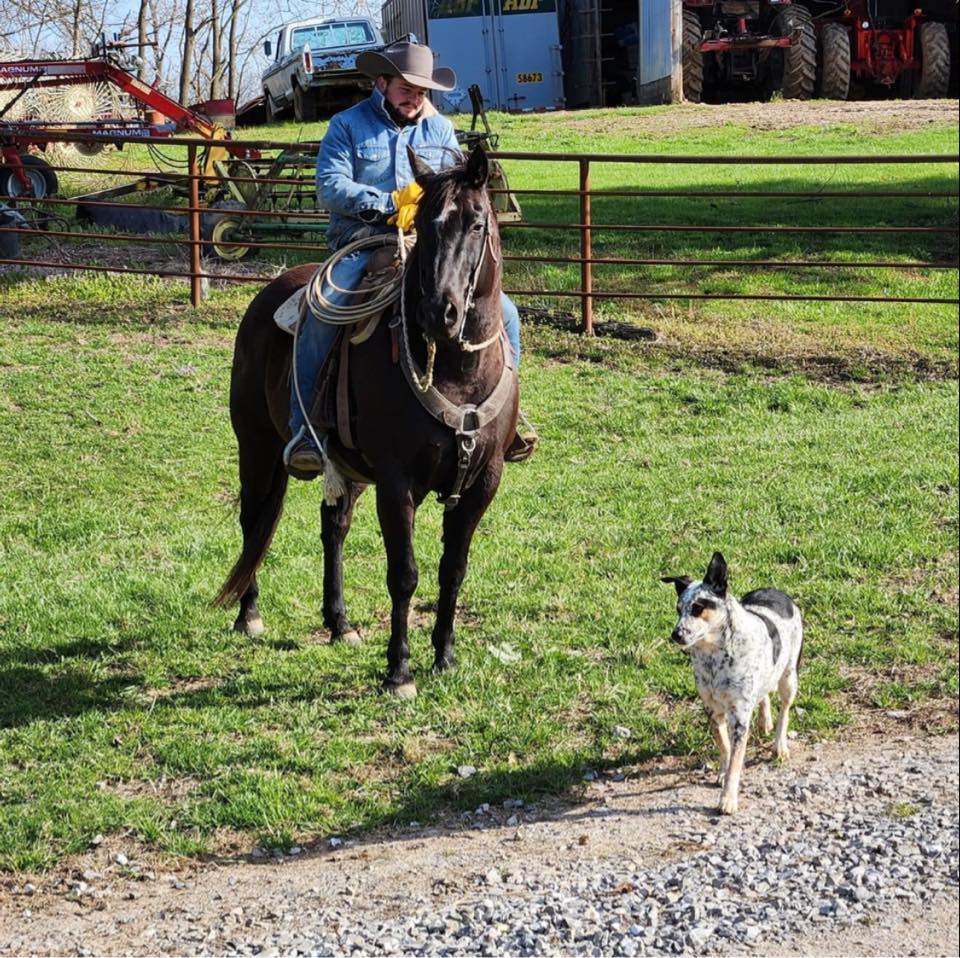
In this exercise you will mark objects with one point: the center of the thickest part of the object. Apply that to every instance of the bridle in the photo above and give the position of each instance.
(423, 382)
(466, 419)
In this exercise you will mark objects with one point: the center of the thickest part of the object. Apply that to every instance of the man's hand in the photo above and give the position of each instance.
(406, 202)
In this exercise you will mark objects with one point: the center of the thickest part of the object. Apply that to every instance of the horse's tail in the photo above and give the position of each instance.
(259, 516)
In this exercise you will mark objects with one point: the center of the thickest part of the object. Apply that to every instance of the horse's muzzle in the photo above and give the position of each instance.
(441, 320)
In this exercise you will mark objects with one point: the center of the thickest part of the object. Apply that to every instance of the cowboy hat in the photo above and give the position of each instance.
(412, 61)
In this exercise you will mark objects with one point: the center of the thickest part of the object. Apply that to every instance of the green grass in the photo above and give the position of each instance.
(127, 704)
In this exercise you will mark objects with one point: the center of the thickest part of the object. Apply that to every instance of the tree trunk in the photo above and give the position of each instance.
(232, 50)
(142, 41)
(216, 32)
(189, 42)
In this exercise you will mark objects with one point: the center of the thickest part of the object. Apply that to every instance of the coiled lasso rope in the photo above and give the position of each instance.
(324, 310)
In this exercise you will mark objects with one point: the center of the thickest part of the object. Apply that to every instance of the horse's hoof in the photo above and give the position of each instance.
(401, 690)
(444, 665)
(252, 628)
(350, 637)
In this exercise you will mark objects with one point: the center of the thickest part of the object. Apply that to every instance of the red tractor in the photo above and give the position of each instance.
(747, 49)
(903, 49)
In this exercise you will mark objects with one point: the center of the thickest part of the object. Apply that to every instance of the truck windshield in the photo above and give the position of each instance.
(326, 36)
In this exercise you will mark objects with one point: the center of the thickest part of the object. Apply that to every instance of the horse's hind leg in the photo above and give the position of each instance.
(334, 526)
(263, 484)
(459, 524)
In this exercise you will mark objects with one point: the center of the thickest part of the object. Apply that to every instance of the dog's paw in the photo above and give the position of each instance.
(728, 805)
(783, 754)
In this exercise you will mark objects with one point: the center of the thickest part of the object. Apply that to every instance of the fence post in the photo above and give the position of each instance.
(196, 286)
(586, 252)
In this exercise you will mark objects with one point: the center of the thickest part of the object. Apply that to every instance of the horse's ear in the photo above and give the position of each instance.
(421, 170)
(478, 168)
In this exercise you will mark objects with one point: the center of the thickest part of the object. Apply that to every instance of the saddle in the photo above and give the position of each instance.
(331, 413)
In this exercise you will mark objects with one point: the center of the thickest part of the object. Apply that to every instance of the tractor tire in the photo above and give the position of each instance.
(304, 105)
(217, 230)
(692, 57)
(934, 60)
(834, 62)
(799, 60)
(42, 176)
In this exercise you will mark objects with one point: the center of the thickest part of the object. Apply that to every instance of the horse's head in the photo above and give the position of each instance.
(457, 243)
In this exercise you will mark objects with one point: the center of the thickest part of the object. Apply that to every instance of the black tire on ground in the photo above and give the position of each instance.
(834, 62)
(41, 175)
(692, 57)
(800, 59)
(304, 105)
(217, 229)
(934, 60)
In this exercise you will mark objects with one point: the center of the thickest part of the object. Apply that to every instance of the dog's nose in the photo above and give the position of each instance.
(675, 636)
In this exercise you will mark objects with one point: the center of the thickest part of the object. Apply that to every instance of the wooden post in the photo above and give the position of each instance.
(196, 285)
(586, 252)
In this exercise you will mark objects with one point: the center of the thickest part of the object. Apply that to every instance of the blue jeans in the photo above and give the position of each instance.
(315, 339)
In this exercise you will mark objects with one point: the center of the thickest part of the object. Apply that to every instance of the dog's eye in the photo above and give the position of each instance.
(698, 608)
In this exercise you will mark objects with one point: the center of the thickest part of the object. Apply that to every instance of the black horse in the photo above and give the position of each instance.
(447, 438)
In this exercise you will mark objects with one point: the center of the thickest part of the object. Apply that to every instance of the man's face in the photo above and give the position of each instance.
(406, 99)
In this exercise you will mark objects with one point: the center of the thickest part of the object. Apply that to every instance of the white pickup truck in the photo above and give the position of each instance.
(314, 67)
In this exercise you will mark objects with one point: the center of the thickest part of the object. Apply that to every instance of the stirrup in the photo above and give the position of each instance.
(524, 442)
(301, 457)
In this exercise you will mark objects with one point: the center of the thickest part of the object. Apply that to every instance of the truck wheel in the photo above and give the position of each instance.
(269, 113)
(800, 59)
(220, 230)
(934, 60)
(692, 57)
(304, 105)
(834, 62)
(43, 178)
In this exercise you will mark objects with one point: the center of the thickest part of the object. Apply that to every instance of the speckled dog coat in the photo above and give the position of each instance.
(741, 652)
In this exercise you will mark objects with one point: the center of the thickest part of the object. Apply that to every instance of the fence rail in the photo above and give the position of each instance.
(264, 216)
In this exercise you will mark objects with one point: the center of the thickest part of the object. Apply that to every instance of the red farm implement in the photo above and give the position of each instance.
(747, 49)
(905, 51)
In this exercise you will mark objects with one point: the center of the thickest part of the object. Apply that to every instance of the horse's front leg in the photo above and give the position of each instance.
(334, 525)
(459, 524)
(396, 509)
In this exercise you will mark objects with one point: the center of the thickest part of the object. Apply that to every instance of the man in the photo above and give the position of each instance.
(364, 179)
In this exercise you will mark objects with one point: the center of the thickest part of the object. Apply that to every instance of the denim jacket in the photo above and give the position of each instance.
(363, 159)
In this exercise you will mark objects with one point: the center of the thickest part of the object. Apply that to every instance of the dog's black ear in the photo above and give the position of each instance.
(421, 169)
(716, 578)
(680, 582)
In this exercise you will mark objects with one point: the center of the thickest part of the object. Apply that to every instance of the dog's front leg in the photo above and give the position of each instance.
(739, 732)
(718, 726)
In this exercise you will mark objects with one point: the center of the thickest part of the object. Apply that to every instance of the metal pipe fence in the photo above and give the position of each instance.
(273, 212)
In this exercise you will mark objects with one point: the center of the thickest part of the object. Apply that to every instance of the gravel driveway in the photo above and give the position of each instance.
(853, 849)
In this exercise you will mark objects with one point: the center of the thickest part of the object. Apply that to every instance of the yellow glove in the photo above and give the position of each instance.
(406, 202)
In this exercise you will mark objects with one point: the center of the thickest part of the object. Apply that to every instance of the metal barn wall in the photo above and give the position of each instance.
(655, 60)
(509, 48)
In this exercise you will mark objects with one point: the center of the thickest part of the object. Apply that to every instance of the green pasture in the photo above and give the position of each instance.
(794, 333)
(815, 445)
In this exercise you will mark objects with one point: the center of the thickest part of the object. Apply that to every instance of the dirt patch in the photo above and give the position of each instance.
(868, 116)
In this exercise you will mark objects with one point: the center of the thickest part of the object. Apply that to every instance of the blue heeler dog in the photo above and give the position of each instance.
(741, 652)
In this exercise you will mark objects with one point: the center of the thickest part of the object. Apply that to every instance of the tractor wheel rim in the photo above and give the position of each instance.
(221, 245)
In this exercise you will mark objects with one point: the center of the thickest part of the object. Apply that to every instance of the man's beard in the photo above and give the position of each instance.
(396, 116)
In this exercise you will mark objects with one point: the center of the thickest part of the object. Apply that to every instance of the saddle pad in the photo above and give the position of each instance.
(288, 315)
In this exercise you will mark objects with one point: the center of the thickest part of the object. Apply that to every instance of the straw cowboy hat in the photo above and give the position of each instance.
(412, 61)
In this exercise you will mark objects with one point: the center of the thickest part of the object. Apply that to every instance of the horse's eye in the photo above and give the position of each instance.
(477, 227)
